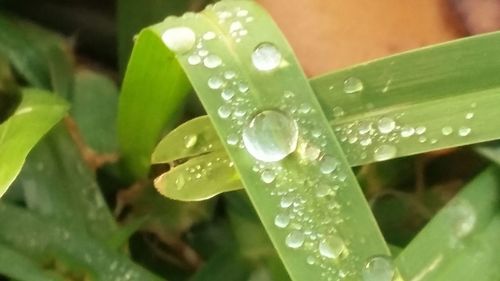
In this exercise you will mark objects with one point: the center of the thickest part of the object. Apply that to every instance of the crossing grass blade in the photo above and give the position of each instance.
(37, 113)
(357, 234)
(449, 107)
(461, 241)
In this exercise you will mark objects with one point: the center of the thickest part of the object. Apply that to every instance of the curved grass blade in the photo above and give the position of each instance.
(461, 241)
(36, 114)
(153, 78)
(338, 234)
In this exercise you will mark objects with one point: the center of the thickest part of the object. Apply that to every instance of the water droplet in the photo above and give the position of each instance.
(353, 85)
(215, 82)
(266, 57)
(270, 136)
(229, 74)
(281, 220)
(386, 125)
(227, 94)
(379, 268)
(365, 141)
(179, 182)
(243, 88)
(328, 164)
(209, 35)
(311, 260)
(179, 39)
(469, 115)
(308, 151)
(286, 201)
(242, 13)
(190, 140)
(323, 190)
(420, 130)
(212, 61)
(203, 53)
(194, 59)
(447, 130)
(385, 152)
(295, 239)
(338, 112)
(407, 131)
(235, 26)
(304, 108)
(364, 127)
(332, 247)
(232, 139)
(464, 131)
(268, 176)
(224, 111)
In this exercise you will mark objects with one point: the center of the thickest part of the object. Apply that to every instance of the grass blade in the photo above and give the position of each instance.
(36, 114)
(356, 238)
(461, 241)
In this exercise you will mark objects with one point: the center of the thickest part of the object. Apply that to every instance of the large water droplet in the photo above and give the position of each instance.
(212, 61)
(332, 247)
(270, 136)
(266, 57)
(384, 152)
(379, 268)
(328, 164)
(295, 239)
(353, 85)
(281, 220)
(179, 39)
(386, 125)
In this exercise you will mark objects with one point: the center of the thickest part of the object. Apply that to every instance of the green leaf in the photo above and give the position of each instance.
(94, 110)
(63, 246)
(15, 265)
(356, 238)
(36, 114)
(154, 78)
(461, 241)
(355, 117)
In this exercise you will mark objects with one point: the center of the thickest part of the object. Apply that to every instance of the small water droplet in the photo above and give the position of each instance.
(209, 35)
(420, 130)
(407, 131)
(286, 201)
(328, 164)
(190, 141)
(179, 39)
(386, 125)
(422, 139)
(332, 247)
(338, 112)
(295, 239)
(308, 151)
(469, 115)
(266, 57)
(235, 26)
(227, 94)
(353, 85)
(229, 75)
(179, 182)
(268, 176)
(243, 88)
(203, 53)
(224, 111)
(194, 59)
(215, 82)
(447, 130)
(365, 141)
(379, 268)
(323, 190)
(311, 260)
(212, 61)
(232, 139)
(270, 136)
(385, 152)
(464, 131)
(242, 13)
(281, 220)
(364, 127)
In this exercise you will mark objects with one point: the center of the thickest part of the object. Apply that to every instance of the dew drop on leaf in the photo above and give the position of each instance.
(328, 164)
(386, 125)
(266, 57)
(179, 39)
(332, 247)
(464, 131)
(407, 131)
(281, 220)
(190, 141)
(379, 268)
(384, 152)
(268, 176)
(447, 130)
(270, 136)
(295, 239)
(212, 61)
(353, 85)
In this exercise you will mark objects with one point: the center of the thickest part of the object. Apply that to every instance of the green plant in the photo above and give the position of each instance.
(288, 141)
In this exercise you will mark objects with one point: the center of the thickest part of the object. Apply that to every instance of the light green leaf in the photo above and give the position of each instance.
(461, 241)
(36, 114)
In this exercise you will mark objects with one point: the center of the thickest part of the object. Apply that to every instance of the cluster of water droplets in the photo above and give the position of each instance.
(272, 136)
